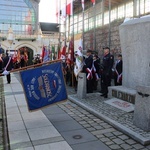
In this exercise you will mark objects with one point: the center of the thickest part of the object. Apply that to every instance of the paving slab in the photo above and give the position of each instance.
(59, 117)
(43, 133)
(94, 145)
(54, 146)
(67, 125)
(78, 136)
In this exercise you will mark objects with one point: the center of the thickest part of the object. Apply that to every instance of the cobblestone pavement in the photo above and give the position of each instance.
(102, 130)
(107, 134)
(1, 115)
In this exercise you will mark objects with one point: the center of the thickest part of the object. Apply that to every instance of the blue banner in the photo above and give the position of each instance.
(44, 85)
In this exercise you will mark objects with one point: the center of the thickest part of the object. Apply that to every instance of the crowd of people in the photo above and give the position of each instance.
(97, 69)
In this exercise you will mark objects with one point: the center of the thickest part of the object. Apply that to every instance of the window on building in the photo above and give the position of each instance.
(99, 20)
(91, 23)
(129, 9)
(121, 11)
(86, 25)
(113, 14)
(147, 6)
(80, 27)
(106, 17)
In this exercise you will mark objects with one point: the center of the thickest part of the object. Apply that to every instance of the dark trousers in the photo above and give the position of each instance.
(115, 80)
(8, 78)
(89, 86)
(105, 82)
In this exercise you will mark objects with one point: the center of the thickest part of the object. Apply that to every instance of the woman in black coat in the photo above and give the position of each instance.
(118, 71)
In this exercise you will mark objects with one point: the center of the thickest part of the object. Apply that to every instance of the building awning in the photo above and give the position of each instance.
(49, 28)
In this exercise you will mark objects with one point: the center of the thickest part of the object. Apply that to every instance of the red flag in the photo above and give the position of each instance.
(70, 59)
(63, 53)
(14, 58)
(43, 51)
(18, 56)
(69, 7)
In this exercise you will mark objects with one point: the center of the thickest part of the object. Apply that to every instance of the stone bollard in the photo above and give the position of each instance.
(81, 91)
(142, 108)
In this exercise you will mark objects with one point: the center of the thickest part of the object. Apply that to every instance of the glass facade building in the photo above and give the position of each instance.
(19, 15)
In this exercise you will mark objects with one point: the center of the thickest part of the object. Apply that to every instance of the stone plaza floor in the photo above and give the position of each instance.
(78, 124)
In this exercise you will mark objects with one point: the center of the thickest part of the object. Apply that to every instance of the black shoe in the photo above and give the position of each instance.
(102, 94)
(105, 96)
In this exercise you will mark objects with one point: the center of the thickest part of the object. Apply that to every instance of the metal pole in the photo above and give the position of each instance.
(109, 23)
(65, 23)
(94, 34)
(59, 1)
(134, 7)
(102, 12)
(139, 8)
(83, 28)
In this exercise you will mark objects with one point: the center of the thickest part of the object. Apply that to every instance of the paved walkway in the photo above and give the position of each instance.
(48, 129)
(63, 126)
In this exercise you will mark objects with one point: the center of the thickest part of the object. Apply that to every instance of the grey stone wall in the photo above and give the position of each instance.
(102, 38)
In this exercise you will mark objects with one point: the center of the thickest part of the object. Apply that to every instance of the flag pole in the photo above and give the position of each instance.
(72, 36)
(33, 66)
(94, 38)
(83, 24)
(65, 24)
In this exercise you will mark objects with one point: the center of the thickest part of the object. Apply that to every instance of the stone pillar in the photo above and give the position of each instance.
(81, 89)
(142, 108)
(135, 44)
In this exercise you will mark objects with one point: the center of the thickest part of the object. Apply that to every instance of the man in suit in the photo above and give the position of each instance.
(8, 65)
(118, 71)
(87, 68)
(106, 71)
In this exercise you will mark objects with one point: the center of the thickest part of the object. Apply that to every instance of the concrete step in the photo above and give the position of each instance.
(123, 93)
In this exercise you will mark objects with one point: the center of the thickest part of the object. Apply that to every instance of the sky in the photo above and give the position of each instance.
(47, 11)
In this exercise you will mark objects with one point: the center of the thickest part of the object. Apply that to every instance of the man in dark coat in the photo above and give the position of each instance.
(106, 71)
(8, 65)
(87, 68)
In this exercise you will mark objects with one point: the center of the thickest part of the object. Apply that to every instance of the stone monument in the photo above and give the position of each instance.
(81, 91)
(135, 45)
(142, 108)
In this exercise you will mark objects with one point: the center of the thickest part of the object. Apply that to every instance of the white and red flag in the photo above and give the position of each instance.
(82, 1)
(63, 53)
(69, 7)
(79, 59)
(93, 1)
(70, 58)
(63, 12)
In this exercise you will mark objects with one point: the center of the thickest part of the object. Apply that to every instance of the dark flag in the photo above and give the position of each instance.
(44, 85)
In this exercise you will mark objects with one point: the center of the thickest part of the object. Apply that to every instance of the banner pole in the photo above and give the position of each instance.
(32, 66)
